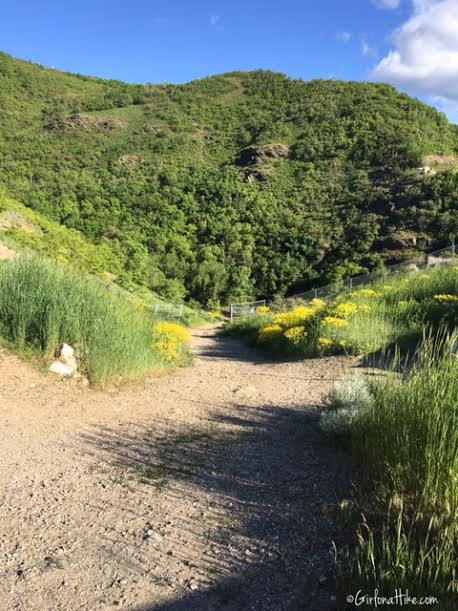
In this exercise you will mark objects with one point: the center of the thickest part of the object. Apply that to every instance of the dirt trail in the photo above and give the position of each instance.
(206, 489)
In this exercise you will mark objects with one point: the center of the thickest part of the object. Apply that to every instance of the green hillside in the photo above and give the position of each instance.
(239, 185)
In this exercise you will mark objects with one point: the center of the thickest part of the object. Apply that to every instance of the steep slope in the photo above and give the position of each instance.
(23, 229)
(237, 185)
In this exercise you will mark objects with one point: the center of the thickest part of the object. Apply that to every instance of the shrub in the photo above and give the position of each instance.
(376, 317)
(171, 341)
(348, 401)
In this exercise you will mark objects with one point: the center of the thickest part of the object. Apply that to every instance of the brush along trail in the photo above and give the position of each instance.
(204, 489)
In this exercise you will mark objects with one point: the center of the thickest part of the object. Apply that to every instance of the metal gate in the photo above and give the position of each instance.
(244, 310)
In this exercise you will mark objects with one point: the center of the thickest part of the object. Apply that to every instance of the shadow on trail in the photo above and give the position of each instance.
(266, 487)
(230, 349)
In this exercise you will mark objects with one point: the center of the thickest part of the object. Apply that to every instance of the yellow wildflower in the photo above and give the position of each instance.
(170, 329)
(423, 277)
(318, 304)
(216, 314)
(366, 293)
(269, 332)
(446, 298)
(344, 310)
(168, 349)
(262, 310)
(403, 303)
(295, 318)
(335, 322)
(324, 342)
(296, 335)
(171, 339)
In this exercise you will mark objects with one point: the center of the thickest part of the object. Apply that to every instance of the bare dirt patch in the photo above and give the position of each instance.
(207, 489)
(441, 160)
(6, 252)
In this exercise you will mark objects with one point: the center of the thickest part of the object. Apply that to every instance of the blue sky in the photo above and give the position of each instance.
(180, 40)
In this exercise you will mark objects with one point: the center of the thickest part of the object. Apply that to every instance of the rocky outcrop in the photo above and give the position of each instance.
(10, 219)
(81, 122)
(442, 160)
(132, 160)
(255, 155)
(257, 175)
(256, 159)
(400, 239)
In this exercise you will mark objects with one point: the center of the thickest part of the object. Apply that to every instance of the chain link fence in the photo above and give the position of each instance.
(168, 311)
(244, 310)
(434, 260)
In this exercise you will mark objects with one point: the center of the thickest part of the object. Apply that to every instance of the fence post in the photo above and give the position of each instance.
(231, 312)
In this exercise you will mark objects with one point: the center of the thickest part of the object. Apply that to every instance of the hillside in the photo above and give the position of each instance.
(238, 185)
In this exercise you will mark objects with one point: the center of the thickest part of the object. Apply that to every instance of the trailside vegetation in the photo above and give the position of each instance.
(396, 311)
(44, 304)
(401, 435)
(399, 429)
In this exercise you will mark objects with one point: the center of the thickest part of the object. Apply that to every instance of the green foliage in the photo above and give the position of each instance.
(43, 304)
(160, 176)
(391, 312)
(24, 229)
(407, 438)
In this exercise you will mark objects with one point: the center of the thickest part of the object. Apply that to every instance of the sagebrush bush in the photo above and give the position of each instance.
(348, 401)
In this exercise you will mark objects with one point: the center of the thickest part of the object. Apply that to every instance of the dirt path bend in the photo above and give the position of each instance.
(202, 490)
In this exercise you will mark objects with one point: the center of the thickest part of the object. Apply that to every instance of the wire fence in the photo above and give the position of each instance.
(168, 311)
(244, 310)
(434, 260)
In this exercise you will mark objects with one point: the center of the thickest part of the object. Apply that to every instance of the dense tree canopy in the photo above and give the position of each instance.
(235, 186)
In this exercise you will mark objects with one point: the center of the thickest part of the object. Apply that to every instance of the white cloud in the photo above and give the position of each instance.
(343, 36)
(387, 4)
(424, 59)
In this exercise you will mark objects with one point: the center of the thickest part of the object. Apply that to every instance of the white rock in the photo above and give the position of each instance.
(62, 369)
(66, 365)
(66, 351)
(70, 361)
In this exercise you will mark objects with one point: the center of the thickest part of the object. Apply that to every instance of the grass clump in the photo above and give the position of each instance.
(406, 438)
(43, 304)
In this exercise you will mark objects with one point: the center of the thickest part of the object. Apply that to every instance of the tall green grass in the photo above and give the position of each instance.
(406, 437)
(43, 304)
